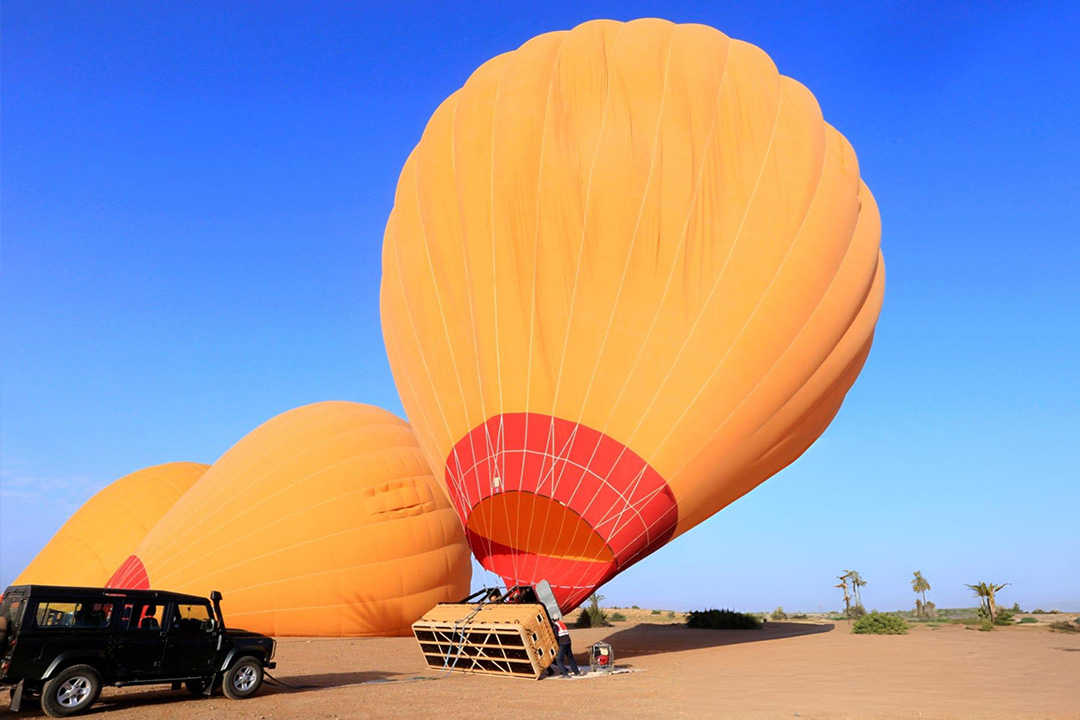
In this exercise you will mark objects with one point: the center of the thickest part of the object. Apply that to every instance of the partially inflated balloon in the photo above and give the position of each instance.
(323, 521)
(109, 526)
(630, 274)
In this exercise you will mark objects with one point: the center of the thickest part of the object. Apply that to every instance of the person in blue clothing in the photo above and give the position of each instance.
(566, 651)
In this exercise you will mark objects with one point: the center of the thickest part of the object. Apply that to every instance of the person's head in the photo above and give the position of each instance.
(151, 610)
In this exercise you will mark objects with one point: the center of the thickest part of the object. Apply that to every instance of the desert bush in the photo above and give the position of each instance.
(1063, 626)
(722, 620)
(671, 613)
(1038, 611)
(1004, 617)
(592, 615)
(779, 614)
(986, 626)
(856, 611)
(1028, 620)
(925, 610)
(617, 617)
(799, 616)
(634, 607)
(876, 623)
(655, 612)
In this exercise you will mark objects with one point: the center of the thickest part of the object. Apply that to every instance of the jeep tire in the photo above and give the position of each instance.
(243, 678)
(72, 691)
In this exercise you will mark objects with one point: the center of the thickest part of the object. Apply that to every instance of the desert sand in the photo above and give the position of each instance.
(815, 671)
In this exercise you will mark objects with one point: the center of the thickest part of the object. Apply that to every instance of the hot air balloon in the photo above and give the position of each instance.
(109, 526)
(323, 521)
(630, 274)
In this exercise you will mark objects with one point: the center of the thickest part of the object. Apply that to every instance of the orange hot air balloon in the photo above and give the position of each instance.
(630, 274)
(322, 521)
(109, 526)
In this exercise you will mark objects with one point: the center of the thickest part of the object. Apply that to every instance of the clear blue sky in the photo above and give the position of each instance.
(193, 202)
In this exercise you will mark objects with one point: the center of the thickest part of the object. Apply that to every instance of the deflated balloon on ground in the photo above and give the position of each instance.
(325, 520)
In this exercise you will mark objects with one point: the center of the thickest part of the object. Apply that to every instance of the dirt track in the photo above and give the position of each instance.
(787, 670)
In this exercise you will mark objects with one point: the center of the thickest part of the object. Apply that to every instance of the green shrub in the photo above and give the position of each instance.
(1028, 620)
(592, 615)
(1038, 611)
(722, 620)
(671, 613)
(925, 610)
(634, 607)
(779, 614)
(1004, 617)
(1063, 626)
(855, 612)
(655, 612)
(799, 616)
(876, 623)
(986, 626)
(617, 617)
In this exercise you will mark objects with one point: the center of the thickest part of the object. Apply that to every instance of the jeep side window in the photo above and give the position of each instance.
(191, 620)
(140, 616)
(52, 614)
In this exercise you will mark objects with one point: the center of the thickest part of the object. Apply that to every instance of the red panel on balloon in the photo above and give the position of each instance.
(131, 575)
(591, 480)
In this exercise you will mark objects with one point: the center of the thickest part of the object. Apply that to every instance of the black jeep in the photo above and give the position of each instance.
(63, 643)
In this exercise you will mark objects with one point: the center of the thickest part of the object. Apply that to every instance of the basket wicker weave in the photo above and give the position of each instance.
(503, 639)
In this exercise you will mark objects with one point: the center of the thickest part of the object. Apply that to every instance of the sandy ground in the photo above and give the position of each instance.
(789, 669)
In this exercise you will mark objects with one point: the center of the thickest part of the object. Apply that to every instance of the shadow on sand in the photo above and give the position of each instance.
(160, 695)
(324, 681)
(651, 639)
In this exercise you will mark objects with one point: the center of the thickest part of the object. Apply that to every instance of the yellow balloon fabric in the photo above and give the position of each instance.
(109, 526)
(630, 273)
(323, 521)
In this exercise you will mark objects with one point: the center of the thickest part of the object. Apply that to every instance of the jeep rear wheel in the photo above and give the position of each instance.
(71, 692)
(243, 678)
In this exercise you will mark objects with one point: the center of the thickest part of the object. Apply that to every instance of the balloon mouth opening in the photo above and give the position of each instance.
(542, 530)
(543, 498)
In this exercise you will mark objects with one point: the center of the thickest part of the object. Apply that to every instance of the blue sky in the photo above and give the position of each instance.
(193, 200)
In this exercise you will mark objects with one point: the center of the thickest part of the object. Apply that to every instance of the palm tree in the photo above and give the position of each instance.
(985, 592)
(847, 598)
(856, 583)
(920, 584)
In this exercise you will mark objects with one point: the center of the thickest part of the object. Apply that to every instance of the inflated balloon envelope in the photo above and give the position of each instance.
(630, 274)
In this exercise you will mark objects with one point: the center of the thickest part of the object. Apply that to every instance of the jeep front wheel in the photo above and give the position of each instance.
(243, 678)
(71, 692)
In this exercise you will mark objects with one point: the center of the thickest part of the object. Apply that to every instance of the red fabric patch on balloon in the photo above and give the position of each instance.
(131, 575)
(624, 501)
